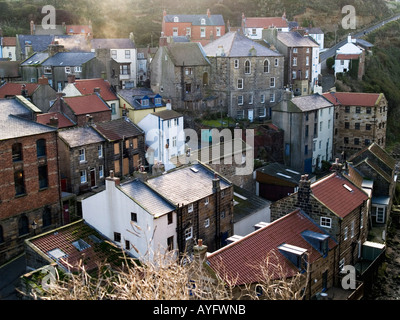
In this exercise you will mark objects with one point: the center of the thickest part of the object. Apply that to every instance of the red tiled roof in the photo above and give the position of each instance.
(14, 89)
(266, 22)
(352, 98)
(63, 122)
(78, 29)
(87, 86)
(87, 104)
(241, 260)
(336, 197)
(342, 56)
(9, 41)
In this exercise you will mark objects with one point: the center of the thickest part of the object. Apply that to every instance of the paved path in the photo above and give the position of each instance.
(9, 277)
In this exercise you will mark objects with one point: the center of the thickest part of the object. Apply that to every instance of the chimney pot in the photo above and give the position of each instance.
(71, 78)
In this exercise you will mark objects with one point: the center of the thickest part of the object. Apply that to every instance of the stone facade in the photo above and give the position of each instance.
(39, 203)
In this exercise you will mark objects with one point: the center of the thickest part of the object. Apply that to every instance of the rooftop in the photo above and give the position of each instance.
(167, 114)
(187, 54)
(246, 203)
(80, 136)
(69, 59)
(295, 39)
(9, 89)
(63, 121)
(281, 172)
(120, 43)
(117, 129)
(186, 184)
(195, 19)
(241, 259)
(87, 86)
(86, 104)
(266, 22)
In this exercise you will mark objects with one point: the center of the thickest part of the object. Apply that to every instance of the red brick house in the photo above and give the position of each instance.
(202, 28)
(82, 109)
(29, 180)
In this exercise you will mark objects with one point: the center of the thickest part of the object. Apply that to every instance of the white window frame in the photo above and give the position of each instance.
(218, 31)
(202, 32)
(325, 222)
(114, 54)
(47, 70)
(345, 233)
(262, 98)
(101, 171)
(236, 63)
(78, 69)
(207, 223)
(206, 201)
(188, 233)
(276, 62)
(352, 229)
(240, 83)
(82, 155)
(84, 176)
(127, 54)
(240, 100)
(294, 62)
(272, 82)
(100, 151)
(272, 97)
(190, 207)
(67, 70)
(266, 66)
(247, 67)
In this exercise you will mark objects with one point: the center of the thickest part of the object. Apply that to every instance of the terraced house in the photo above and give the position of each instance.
(247, 77)
(29, 181)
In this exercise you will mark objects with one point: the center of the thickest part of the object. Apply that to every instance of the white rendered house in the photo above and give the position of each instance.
(323, 143)
(164, 136)
(345, 54)
(133, 216)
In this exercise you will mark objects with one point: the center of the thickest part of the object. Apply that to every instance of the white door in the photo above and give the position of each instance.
(250, 115)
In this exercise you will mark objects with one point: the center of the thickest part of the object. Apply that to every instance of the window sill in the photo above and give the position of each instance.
(20, 195)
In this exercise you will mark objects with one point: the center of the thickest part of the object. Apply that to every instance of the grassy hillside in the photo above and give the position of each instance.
(117, 18)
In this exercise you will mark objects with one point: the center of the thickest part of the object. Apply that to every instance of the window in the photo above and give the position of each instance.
(356, 141)
(262, 112)
(203, 32)
(240, 83)
(67, 69)
(222, 214)
(352, 229)
(174, 141)
(127, 54)
(266, 66)
(251, 99)
(124, 69)
(114, 54)
(100, 151)
(347, 125)
(101, 172)
(240, 100)
(190, 207)
(23, 226)
(17, 152)
(306, 149)
(272, 83)
(276, 62)
(189, 233)
(46, 217)
(206, 223)
(78, 69)
(188, 87)
(188, 71)
(294, 74)
(347, 109)
(320, 125)
(358, 109)
(294, 50)
(203, 21)
(116, 148)
(117, 237)
(262, 98)
(307, 61)
(272, 97)
(325, 222)
(294, 62)
(247, 67)
(367, 142)
(127, 245)
(346, 140)
(41, 148)
(19, 183)
(113, 110)
(134, 216)
(306, 130)
(43, 178)
(218, 31)
(176, 19)
(170, 243)
(170, 217)
(357, 126)
(82, 157)
(83, 176)
(206, 201)
(341, 264)
(236, 63)
(346, 229)
(368, 110)
(47, 70)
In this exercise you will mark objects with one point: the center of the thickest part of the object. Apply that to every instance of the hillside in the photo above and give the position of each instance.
(117, 18)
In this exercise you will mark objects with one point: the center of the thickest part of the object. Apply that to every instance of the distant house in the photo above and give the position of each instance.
(202, 28)
(290, 244)
(86, 86)
(245, 76)
(360, 119)
(124, 146)
(144, 58)
(9, 70)
(276, 181)
(29, 184)
(82, 109)
(82, 160)
(8, 48)
(253, 26)
(30, 68)
(307, 123)
(350, 58)
(85, 30)
(120, 55)
(181, 73)
(164, 137)
(138, 103)
(55, 119)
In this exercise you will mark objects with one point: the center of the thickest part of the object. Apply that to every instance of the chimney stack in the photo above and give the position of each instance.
(71, 78)
(208, 13)
(336, 166)
(32, 27)
(43, 80)
(163, 40)
(24, 91)
(216, 183)
(112, 179)
(53, 121)
(200, 250)
(303, 194)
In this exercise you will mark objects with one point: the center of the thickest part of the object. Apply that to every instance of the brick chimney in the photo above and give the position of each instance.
(96, 90)
(112, 179)
(24, 91)
(54, 48)
(163, 40)
(32, 27)
(208, 13)
(43, 80)
(200, 250)
(303, 194)
(71, 78)
(53, 121)
(216, 183)
(337, 166)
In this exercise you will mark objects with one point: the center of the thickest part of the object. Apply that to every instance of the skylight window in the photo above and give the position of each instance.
(284, 175)
(292, 171)
(348, 188)
(80, 245)
(194, 170)
(57, 254)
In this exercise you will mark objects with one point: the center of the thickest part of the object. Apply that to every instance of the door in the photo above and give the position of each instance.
(250, 115)
(93, 177)
(66, 218)
(325, 281)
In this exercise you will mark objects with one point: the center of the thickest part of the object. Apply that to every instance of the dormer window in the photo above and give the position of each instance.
(176, 19)
(319, 241)
(296, 255)
(203, 21)
(145, 102)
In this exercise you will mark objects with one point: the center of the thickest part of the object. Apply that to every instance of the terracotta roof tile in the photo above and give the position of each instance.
(63, 121)
(343, 56)
(90, 103)
(87, 87)
(341, 200)
(241, 259)
(266, 22)
(353, 98)
(14, 89)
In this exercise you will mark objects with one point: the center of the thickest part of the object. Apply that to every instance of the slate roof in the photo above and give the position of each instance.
(133, 96)
(35, 59)
(15, 123)
(195, 19)
(39, 42)
(304, 104)
(9, 69)
(281, 172)
(117, 129)
(353, 98)
(184, 186)
(378, 152)
(236, 44)
(266, 22)
(167, 114)
(65, 59)
(86, 86)
(89, 103)
(9, 89)
(295, 39)
(121, 43)
(63, 121)
(337, 198)
(241, 259)
(187, 54)
(146, 197)
(80, 136)
(244, 207)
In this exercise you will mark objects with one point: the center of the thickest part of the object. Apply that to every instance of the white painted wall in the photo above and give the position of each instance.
(246, 225)
(120, 58)
(325, 136)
